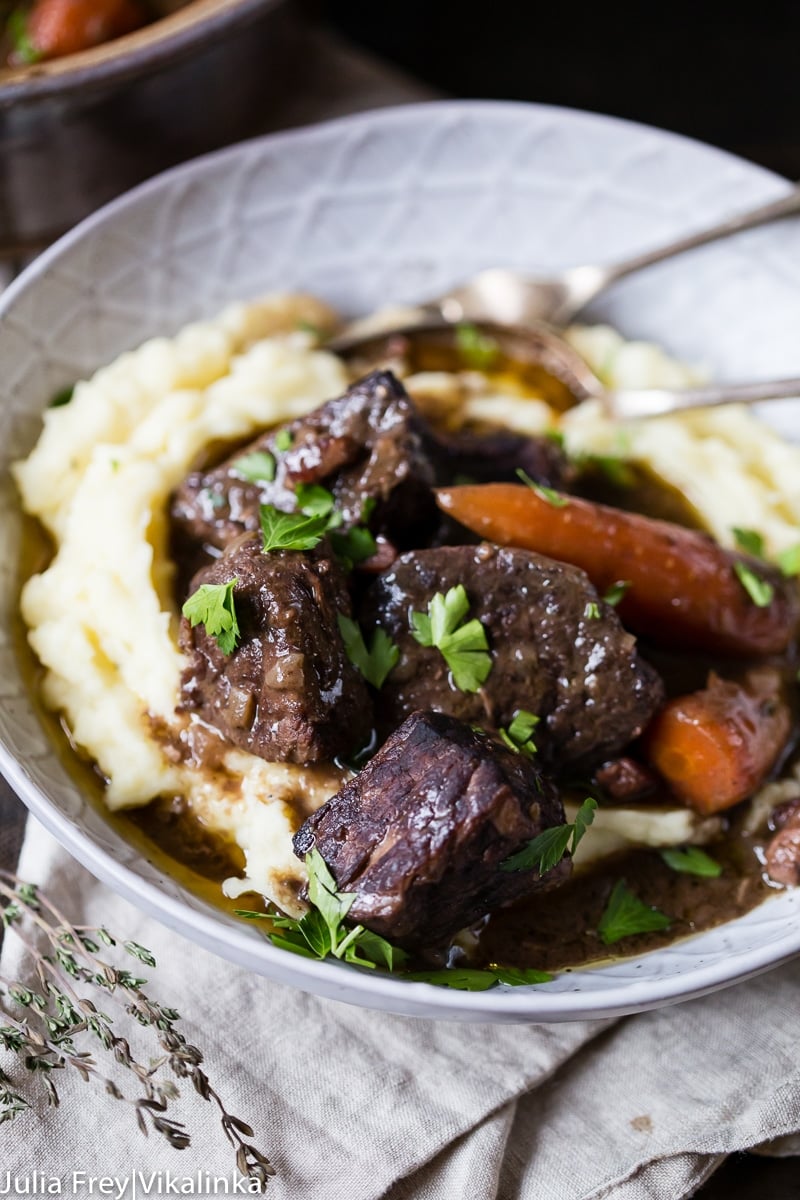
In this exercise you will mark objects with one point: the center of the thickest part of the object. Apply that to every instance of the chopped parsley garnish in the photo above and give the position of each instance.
(789, 561)
(472, 979)
(547, 849)
(258, 467)
(212, 606)
(322, 933)
(592, 611)
(749, 540)
(62, 397)
(477, 349)
(315, 331)
(25, 52)
(518, 735)
(283, 440)
(546, 493)
(290, 531)
(314, 500)
(759, 590)
(375, 663)
(617, 471)
(625, 914)
(616, 592)
(692, 861)
(463, 646)
(353, 546)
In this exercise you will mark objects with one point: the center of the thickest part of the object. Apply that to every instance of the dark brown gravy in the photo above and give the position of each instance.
(553, 931)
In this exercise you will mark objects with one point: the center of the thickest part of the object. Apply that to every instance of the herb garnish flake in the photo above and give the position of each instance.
(290, 531)
(545, 493)
(759, 590)
(625, 914)
(547, 849)
(691, 860)
(463, 646)
(212, 605)
(258, 467)
(374, 663)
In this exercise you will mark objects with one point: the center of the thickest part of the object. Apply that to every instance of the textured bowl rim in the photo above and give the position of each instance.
(235, 942)
(150, 48)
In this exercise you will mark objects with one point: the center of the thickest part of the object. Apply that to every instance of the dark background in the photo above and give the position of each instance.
(725, 75)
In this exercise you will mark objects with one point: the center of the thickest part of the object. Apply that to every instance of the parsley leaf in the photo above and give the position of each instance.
(283, 440)
(62, 397)
(759, 590)
(463, 647)
(375, 663)
(477, 349)
(517, 976)
(25, 52)
(546, 493)
(518, 735)
(212, 606)
(616, 592)
(321, 932)
(592, 611)
(258, 467)
(625, 914)
(749, 540)
(542, 853)
(471, 979)
(546, 850)
(314, 500)
(290, 531)
(353, 546)
(789, 561)
(692, 861)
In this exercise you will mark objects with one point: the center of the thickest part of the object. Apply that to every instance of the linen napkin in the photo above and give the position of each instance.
(356, 1105)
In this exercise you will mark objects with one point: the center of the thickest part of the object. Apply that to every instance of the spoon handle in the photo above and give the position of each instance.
(631, 405)
(785, 207)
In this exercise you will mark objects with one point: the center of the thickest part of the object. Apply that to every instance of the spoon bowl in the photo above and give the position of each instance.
(559, 371)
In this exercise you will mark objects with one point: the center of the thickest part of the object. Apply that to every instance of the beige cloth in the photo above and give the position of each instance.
(356, 1105)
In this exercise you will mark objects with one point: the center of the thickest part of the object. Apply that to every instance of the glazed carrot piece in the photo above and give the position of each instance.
(683, 589)
(60, 27)
(715, 747)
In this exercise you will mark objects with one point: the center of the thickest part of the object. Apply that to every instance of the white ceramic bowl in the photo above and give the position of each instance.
(397, 205)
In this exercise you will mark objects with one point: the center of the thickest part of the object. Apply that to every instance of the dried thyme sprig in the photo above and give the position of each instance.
(42, 1024)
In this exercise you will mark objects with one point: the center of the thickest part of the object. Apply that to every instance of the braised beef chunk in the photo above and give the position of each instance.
(556, 649)
(420, 834)
(288, 692)
(496, 458)
(366, 447)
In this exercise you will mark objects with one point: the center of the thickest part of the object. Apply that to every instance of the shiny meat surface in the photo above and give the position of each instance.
(420, 833)
(366, 447)
(288, 692)
(557, 651)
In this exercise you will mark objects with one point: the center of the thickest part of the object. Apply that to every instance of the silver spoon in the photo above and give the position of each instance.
(511, 298)
(542, 346)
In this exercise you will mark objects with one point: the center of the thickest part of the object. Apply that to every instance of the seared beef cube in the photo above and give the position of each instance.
(366, 447)
(421, 833)
(557, 650)
(288, 692)
(497, 457)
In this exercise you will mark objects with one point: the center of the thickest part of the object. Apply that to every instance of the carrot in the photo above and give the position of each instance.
(715, 747)
(59, 27)
(683, 588)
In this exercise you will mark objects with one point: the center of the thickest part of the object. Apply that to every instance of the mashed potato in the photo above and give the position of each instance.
(102, 618)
